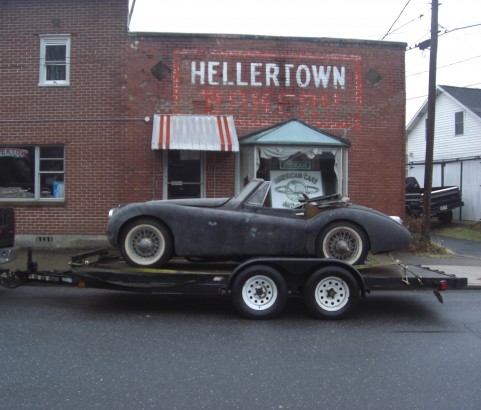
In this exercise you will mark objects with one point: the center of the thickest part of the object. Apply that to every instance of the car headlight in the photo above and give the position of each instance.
(111, 212)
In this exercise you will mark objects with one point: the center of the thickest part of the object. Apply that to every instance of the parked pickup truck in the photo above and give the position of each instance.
(7, 234)
(443, 200)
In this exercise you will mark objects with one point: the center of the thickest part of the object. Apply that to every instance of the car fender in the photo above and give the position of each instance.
(384, 233)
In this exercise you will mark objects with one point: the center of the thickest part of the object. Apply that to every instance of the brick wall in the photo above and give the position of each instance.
(99, 117)
(368, 107)
(87, 117)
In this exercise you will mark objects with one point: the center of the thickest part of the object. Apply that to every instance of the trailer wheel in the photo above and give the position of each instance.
(146, 243)
(259, 292)
(331, 293)
(344, 241)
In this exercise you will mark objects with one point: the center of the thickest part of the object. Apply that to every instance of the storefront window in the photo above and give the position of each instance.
(321, 165)
(293, 177)
(32, 173)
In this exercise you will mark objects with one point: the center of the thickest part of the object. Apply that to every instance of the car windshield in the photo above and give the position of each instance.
(249, 190)
(259, 197)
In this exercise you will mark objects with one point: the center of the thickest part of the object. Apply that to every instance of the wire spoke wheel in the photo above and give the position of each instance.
(146, 243)
(345, 242)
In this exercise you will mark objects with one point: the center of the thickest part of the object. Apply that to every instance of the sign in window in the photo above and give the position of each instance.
(32, 173)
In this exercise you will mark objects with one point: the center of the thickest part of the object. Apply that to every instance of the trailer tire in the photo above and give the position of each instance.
(331, 293)
(343, 241)
(146, 243)
(259, 292)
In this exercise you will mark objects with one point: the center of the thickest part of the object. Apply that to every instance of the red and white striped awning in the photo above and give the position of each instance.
(194, 132)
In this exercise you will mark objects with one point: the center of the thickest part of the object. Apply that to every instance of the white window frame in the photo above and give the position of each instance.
(463, 123)
(54, 40)
(37, 177)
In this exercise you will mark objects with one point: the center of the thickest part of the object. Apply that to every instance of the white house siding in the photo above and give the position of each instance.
(471, 190)
(447, 146)
(416, 142)
(457, 158)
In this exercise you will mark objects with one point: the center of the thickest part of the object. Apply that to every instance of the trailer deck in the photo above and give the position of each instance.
(253, 284)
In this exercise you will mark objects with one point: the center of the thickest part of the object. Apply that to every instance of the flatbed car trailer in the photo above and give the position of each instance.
(259, 287)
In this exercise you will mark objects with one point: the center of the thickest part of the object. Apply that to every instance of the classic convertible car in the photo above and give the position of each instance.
(150, 233)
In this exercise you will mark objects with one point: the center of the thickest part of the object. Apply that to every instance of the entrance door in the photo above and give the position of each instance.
(184, 174)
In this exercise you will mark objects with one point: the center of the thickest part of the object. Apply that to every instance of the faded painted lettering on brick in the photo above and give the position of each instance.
(267, 74)
(256, 84)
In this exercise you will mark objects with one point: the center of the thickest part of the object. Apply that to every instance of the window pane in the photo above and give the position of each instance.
(17, 172)
(55, 53)
(52, 186)
(51, 152)
(56, 73)
(459, 123)
(51, 165)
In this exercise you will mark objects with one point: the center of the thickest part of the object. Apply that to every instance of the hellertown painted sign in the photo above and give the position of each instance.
(302, 85)
(267, 74)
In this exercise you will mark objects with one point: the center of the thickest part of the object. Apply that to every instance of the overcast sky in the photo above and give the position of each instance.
(459, 48)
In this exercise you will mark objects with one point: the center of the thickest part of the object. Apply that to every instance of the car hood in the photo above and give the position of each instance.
(195, 202)
(200, 202)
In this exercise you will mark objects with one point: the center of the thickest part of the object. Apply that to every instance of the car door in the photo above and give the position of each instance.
(208, 232)
(273, 232)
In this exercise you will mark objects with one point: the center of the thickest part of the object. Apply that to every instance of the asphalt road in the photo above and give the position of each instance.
(94, 349)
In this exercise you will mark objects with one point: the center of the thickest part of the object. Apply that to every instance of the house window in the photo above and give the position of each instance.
(32, 173)
(459, 123)
(54, 60)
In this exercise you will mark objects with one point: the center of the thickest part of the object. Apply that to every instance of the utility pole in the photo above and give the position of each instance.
(428, 171)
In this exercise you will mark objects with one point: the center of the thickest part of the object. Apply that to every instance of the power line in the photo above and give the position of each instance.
(424, 96)
(409, 22)
(447, 65)
(395, 21)
(426, 43)
(447, 31)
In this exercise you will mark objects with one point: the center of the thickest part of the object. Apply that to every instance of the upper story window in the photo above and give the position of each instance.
(54, 60)
(459, 123)
(32, 173)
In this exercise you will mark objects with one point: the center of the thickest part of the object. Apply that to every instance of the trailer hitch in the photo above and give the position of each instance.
(14, 279)
(10, 280)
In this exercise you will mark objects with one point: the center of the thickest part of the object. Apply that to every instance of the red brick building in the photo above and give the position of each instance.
(63, 112)
(93, 116)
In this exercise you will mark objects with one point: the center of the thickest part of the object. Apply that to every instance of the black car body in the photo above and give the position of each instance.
(150, 233)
